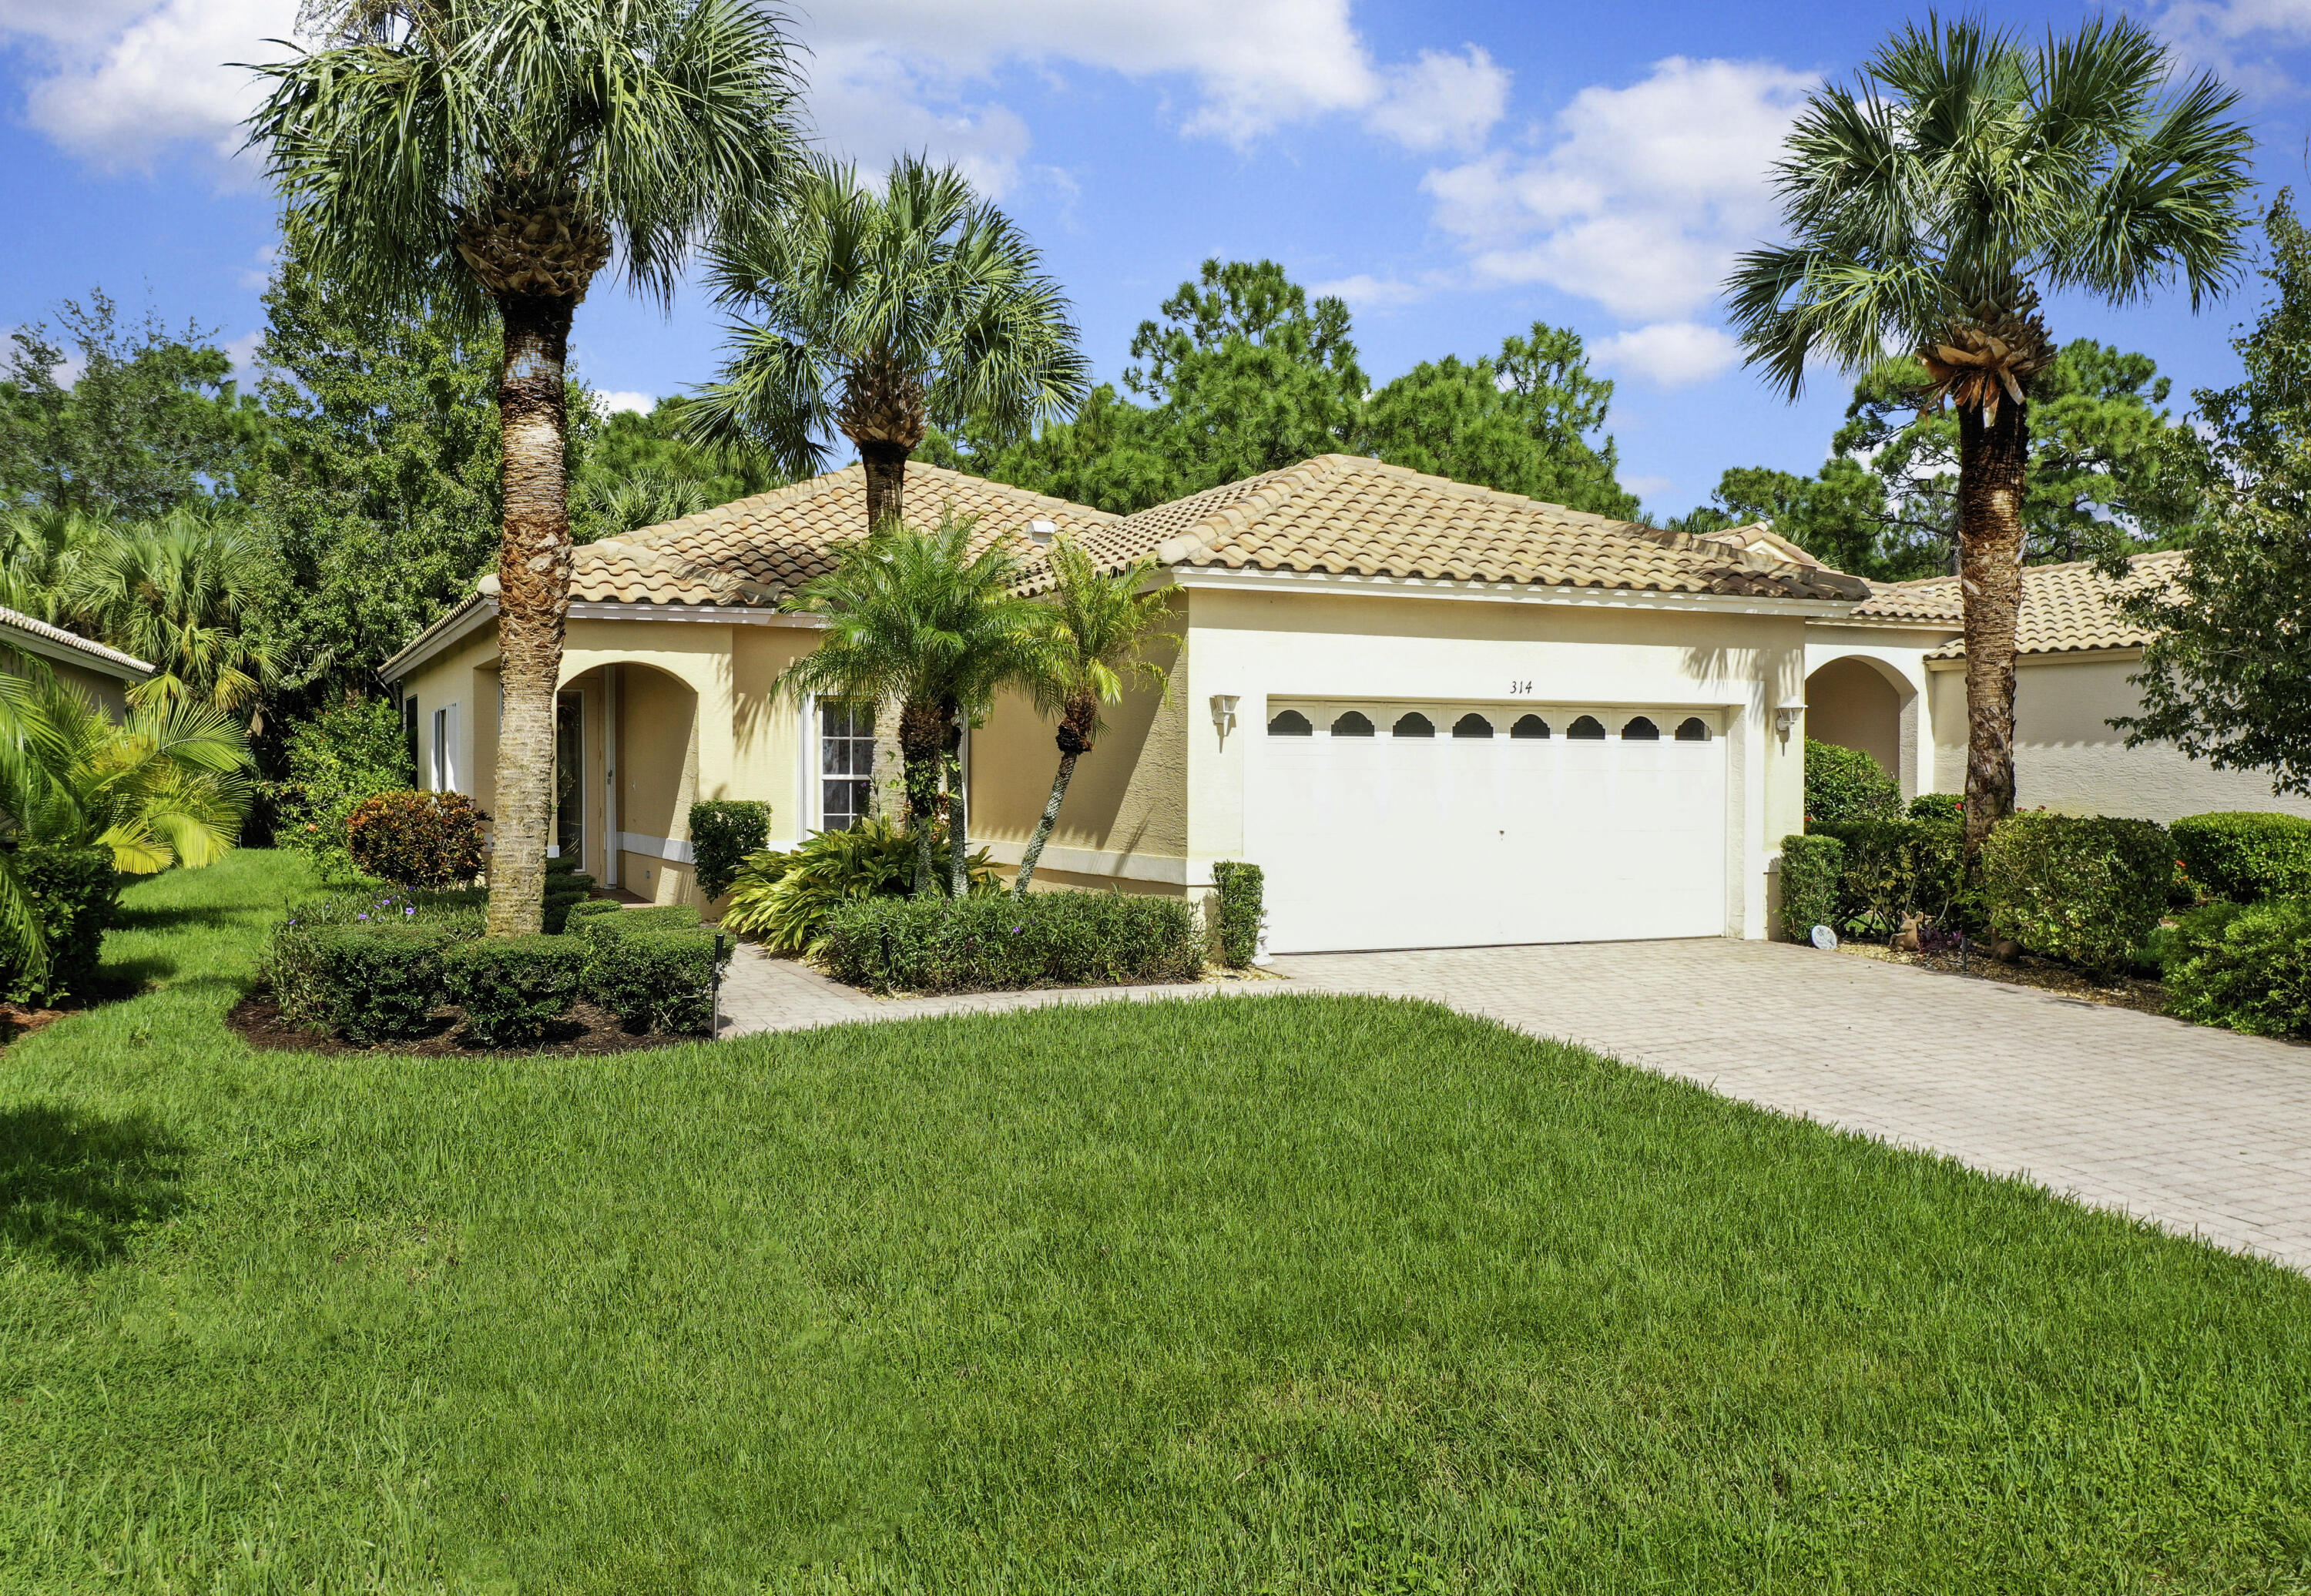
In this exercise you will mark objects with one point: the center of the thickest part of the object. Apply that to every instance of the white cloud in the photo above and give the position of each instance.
(2234, 38)
(117, 94)
(1442, 101)
(610, 404)
(246, 367)
(1365, 289)
(1669, 354)
(1648, 487)
(1645, 195)
(870, 105)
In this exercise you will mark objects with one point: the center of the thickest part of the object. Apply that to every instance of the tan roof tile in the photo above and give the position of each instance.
(1349, 516)
(2065, 608)
(33, 627)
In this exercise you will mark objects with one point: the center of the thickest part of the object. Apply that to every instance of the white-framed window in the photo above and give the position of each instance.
(444, 769)
(846, 763)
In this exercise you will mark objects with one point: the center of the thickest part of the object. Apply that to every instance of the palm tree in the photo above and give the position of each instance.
(176, 592)
(493, 156)
(613, 506)
(914, 618)
(1096, 638)
(41, 546)
(882, 314)
(1929, 208)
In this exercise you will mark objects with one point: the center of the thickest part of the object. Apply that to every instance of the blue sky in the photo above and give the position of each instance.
(1457, 171)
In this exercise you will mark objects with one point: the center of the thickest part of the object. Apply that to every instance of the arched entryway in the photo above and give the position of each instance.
(626, 773)
(1861, 702)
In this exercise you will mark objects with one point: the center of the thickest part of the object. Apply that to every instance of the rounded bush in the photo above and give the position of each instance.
(417, 839)
(2246, 967)
(1846, 784)
(511, 988)
(2086, 888)
(2245, 855)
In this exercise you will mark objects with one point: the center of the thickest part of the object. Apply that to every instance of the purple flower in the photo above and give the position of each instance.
(360, 916)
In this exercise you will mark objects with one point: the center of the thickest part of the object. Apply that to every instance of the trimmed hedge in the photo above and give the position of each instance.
(1895, 868)
(2245, 966)
(2246, 855)
(722, 832)
(2086, 888)
(985, 945)
(1811, 868)
(511, 988)
(75, 896)
(1937, 805)
(1238, 911)
(657, 980)
(378, 981)
(1843, 785)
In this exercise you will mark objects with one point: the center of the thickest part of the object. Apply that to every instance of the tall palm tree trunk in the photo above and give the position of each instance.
(886, 481)
(1073, 741)
(1993, 457)
(533, 600)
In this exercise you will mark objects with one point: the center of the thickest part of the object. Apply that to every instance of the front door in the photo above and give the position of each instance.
(570, 776)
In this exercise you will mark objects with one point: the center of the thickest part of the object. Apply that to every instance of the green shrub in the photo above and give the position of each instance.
(722, 832)
(1937, 805)
(75, 896)
(999, 943)
(1239, 911)
(2245, 856)
(1843, 785)
(2086, 888)
(585, 907)
(291, 968)
(417, 839)
(511, 988)
(1810, 866)
(352, 750)
(657, 980)
(655, 917)
(566, 887)
(380, 981)
(2246, 966)
(1895, 868)
(783, 899)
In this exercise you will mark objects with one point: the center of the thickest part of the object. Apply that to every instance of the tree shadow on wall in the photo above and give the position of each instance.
(76, 1186)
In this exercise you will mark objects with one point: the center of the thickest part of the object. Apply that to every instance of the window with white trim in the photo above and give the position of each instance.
(846, 763)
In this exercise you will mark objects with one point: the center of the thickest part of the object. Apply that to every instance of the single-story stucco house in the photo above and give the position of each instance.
(1435, 714)
(104, 674)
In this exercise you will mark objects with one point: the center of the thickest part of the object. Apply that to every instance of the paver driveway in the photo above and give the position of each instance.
(2201, 1130)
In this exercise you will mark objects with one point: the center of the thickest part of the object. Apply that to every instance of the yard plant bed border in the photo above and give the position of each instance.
(2144, 997)
(587, 1029)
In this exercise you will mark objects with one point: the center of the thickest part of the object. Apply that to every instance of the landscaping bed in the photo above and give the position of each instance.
(257, 1019)
(2144, 997)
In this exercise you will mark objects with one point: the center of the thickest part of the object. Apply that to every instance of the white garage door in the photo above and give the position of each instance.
(1429, 825)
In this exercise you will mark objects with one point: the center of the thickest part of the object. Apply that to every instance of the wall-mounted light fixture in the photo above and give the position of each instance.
(1786, 718)
(1040, 531)
(1224, 712)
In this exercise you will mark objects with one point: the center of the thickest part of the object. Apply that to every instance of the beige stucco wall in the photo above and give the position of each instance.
(2067, 757)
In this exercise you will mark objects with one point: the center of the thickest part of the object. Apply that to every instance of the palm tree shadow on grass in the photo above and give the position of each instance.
(76, 1186)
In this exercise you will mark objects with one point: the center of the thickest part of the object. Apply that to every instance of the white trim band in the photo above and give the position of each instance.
(1410, 587)
(665, 848)
(1167, 868)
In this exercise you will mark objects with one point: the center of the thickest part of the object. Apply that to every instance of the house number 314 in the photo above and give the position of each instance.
(1520, 689)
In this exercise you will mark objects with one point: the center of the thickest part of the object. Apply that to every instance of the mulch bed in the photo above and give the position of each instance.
(2147, 996)
(17, 1021)
(257, 1019)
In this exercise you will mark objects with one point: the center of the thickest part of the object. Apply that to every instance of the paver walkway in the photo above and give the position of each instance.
(2200, 1130)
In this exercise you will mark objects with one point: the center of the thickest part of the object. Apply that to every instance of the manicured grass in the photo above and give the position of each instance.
(1243, 1294)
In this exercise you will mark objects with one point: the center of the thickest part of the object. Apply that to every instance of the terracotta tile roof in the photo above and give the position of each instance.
(753, 550)
(1344, 515)
(2065, 608)
(17, 621)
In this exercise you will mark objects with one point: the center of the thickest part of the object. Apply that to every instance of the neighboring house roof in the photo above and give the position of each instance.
(1345, 515)
(753, 550)
(21, 631)
(2065, 608)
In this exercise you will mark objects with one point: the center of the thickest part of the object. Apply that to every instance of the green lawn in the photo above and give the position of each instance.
(1252, 1294)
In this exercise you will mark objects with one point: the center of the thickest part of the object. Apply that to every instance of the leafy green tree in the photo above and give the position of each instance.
(494, 155)
(879, 314)
(375, 492)
(1929, 207)
(1521, 423)
(350, 750)
(151, 420)
(914, 618)
(1247, 374)
(2224, 677)
(1113, 455)
(1099, 628)
(638, 466)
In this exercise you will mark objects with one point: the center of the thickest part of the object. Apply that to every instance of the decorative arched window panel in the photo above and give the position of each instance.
(1472, 725)
(1529, 725)
(1414, 725)
(1291, 723)
(1695, 730)
(1356, 723)
(1588, 729)
(1640, 730)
